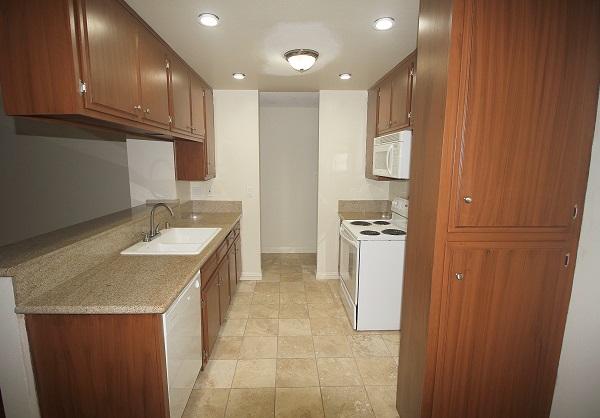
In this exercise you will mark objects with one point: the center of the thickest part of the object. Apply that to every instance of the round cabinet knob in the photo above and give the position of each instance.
(459, 276)
(138, 107)
(194, 129)
(147, 111)
(468, 199)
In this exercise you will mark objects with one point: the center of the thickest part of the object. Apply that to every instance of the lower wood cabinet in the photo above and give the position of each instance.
(99, 365)
(219, 288)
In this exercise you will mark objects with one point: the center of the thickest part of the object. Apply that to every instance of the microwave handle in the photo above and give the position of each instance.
(345, 235)
(388, 162)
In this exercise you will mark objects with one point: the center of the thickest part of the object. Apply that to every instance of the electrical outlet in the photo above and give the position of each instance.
(197, 192)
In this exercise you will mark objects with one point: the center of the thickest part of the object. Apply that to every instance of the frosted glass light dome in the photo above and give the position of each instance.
(301, 59)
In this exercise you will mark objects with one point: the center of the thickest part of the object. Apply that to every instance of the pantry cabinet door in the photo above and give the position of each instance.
(519, 149)
(112, 59)
(153, 80)
(500, 329)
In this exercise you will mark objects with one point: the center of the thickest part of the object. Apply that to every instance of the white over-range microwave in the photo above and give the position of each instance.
(391, 155)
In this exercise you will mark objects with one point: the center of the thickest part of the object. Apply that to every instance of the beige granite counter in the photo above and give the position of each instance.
(364, 209)
(80, 271)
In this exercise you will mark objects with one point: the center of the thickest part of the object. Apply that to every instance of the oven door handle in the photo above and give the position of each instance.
(345, 235)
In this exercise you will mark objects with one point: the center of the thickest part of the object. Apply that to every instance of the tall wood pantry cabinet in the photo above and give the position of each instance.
(504, 121)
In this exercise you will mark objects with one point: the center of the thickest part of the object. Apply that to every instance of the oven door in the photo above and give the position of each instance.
(348, 269)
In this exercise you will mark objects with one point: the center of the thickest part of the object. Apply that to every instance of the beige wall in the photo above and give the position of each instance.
(578, 383)
(342, 127)
(237, 164)
(53, 176)
(289, 152)
(151, 171)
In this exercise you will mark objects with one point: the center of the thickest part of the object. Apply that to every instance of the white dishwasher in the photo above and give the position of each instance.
(183, 345)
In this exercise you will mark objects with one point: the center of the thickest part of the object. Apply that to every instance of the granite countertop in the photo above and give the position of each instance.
(130, 284)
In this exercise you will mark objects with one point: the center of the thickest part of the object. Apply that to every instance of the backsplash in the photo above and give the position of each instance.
(364, 205)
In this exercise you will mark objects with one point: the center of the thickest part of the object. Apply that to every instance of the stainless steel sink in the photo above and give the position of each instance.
(175, 241)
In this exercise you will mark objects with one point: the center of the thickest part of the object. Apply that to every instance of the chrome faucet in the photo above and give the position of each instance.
(154, 230)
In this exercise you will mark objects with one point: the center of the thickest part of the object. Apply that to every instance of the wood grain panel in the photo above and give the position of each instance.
(209, 137)
(495, 331)
(518, 136)
(180, 97)
(384, 109)
(189, 160)
(154, 83)
(197, 104)
(211, 321)
(112, 59)
(401, 96)
(26, 49)
(224, 296)
(98, 365)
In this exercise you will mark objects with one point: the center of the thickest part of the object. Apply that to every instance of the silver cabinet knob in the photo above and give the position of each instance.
(468, 199)
(147, 110)
(138, 107)
(459, 276)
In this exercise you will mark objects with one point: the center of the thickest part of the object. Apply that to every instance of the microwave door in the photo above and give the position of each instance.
(389, 160)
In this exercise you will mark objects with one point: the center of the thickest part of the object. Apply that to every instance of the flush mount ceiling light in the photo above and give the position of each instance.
(345, 76)
(301, 59)
(239, 76)
(383, 23)
(208, 19)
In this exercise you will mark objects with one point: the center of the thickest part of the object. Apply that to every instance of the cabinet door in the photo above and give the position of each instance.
(211, 320)
(520, 137)
(180, 97)
(224, 297)
(112, 59)
(238, 259)
(209, 137)
(401, 96)
(371, 131)
(233, 279)
(197, 92)
(500, 329)
(384, 107)
(153, 79)
(189, 160)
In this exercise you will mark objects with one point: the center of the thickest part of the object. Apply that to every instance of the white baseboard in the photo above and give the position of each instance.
(328, 276)
(251, 276)
(288, 250)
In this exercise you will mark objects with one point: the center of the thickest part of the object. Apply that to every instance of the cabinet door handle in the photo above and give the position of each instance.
(138, 107)
(194, 129)
(147, 110)
(468, 199)
(459, 276)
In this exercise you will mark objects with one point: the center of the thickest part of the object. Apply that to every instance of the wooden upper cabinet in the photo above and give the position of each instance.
(154, 85)
(384, 107)
(519, 146)
(209, 136)
(112, 60)
(189, 160)
(498, 344)
(372, 96)
(181, 116)
(395, 97)
(197, 107)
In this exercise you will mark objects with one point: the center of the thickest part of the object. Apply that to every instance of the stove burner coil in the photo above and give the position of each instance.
(393, 232)
(369, 232)
(381, 223)
(360, 223)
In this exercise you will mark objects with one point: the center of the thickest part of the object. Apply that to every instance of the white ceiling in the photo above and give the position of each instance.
(254, 34)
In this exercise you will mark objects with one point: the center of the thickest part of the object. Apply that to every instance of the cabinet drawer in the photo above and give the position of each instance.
(208, 268)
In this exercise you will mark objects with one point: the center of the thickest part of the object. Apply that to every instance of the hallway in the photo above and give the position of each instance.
(287, 350)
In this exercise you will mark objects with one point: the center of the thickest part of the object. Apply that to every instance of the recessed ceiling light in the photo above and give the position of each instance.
(383, 23)
(239, 76)
(345, 76)
(208, 19)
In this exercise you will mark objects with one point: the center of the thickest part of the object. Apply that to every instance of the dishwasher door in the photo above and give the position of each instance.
(183, 344)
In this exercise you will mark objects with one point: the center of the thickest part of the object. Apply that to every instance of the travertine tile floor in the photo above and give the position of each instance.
(287, 350)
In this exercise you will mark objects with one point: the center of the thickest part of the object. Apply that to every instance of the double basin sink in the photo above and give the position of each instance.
(175, 241)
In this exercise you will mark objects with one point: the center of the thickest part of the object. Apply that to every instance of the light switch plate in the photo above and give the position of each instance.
(197, 192)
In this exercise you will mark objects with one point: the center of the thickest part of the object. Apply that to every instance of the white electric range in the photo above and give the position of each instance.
(371, 268)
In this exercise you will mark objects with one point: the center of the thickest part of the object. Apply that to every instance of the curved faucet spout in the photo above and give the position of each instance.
(153, 232)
